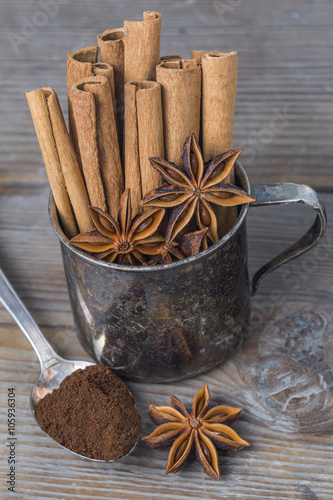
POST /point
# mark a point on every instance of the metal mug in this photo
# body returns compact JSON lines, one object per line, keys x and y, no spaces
{"x":173,"y":321}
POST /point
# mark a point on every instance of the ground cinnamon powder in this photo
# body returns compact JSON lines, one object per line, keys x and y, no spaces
{"x":92,"y":413}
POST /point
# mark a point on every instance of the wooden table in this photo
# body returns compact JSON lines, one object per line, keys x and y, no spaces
{"x":283,"y":374}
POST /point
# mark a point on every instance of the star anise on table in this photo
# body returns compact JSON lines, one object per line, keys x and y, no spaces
{"x":125,"y":241}
{"x":203,"y":429}
{"x":193,"y":189}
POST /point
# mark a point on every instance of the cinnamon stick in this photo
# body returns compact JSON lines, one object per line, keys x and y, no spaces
{"x":37,"y":100}
{"x":181,"y":100}
{"x":143,"y":138}
{"x":219,"y":81}
{"x":112,"y":48}
{"x":79,"y":66}
{"x":107,"y":140}
{"x":69,"y":165}
{"x":84,"y":115}
{"x":150,"y":129}
{"x":142,"y":47}
{"x":105,"y":69}
{"x":98,"y":142}
{"x":131,"y":149}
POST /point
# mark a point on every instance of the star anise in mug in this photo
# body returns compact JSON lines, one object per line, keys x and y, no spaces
{"x":194,"y":189}
{"x":203,"y":429}
{"x":189,"y":245}
{"x":125,"y":241}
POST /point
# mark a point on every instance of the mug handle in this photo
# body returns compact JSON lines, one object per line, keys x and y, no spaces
{"x":280,"y":194}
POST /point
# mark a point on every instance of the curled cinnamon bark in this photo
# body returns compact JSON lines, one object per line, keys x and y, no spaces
{"x":105,"y":69}
{"x":98,"y":143}
{"x":142,"y":47}
{"x":60,"y":161}
{"x":112,"y":48}
{"x":219,"y":81}
{"x":134,"y":52}
{"x":181,"y":100}
{"x":143,"y":137}
{"x":79,"y":66}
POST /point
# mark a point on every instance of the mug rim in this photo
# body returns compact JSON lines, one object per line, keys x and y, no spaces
{"x":159,"y":267}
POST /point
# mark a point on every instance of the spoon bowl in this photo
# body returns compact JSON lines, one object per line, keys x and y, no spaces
{"x":54,"y":369}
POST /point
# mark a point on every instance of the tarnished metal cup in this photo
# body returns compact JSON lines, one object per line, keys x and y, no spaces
{"x":173,"y":321}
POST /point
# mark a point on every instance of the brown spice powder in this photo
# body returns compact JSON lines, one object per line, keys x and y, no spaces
{"x":92,"y":413}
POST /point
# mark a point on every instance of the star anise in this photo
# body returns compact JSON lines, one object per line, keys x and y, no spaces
{"x":191,"y":242}
{"x":202,"y":428}
{"x":189,"y":245}
{"x":125,"y":241}
{"x":195,"y":188}
{"x":169,"y":252}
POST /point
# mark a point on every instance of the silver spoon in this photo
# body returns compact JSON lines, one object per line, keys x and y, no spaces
{"x":53,"y":367}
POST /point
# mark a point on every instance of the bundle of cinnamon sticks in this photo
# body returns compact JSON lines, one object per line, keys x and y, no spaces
{"x":130,"y":106}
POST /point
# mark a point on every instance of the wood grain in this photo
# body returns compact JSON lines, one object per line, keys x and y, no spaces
{"x":282,"y":375}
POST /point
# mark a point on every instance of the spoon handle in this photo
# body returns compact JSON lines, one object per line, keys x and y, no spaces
{"x":11,"y":301}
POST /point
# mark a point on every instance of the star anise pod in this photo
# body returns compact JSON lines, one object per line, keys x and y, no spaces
{"x":189,"y":245}
{"x":191,"y":242}
{"x":204,"y":429}
{"x":125,"y":241}
{"x":195,"y":188}
{"x":170,"y":252}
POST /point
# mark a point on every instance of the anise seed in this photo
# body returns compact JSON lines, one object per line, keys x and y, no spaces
{"x":107,"y":224}
{"x":180,"y":450}
{"x":221,"y":195}
{"x":174,"y":175}
{"x":204,"y":215}
{"x":168,"y":197}
{"x":206,"y":452}
{"x":217,"y":171}
{"x":144,"y":224}
{"x":194,"y":163}
{"x":201,"y":401}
